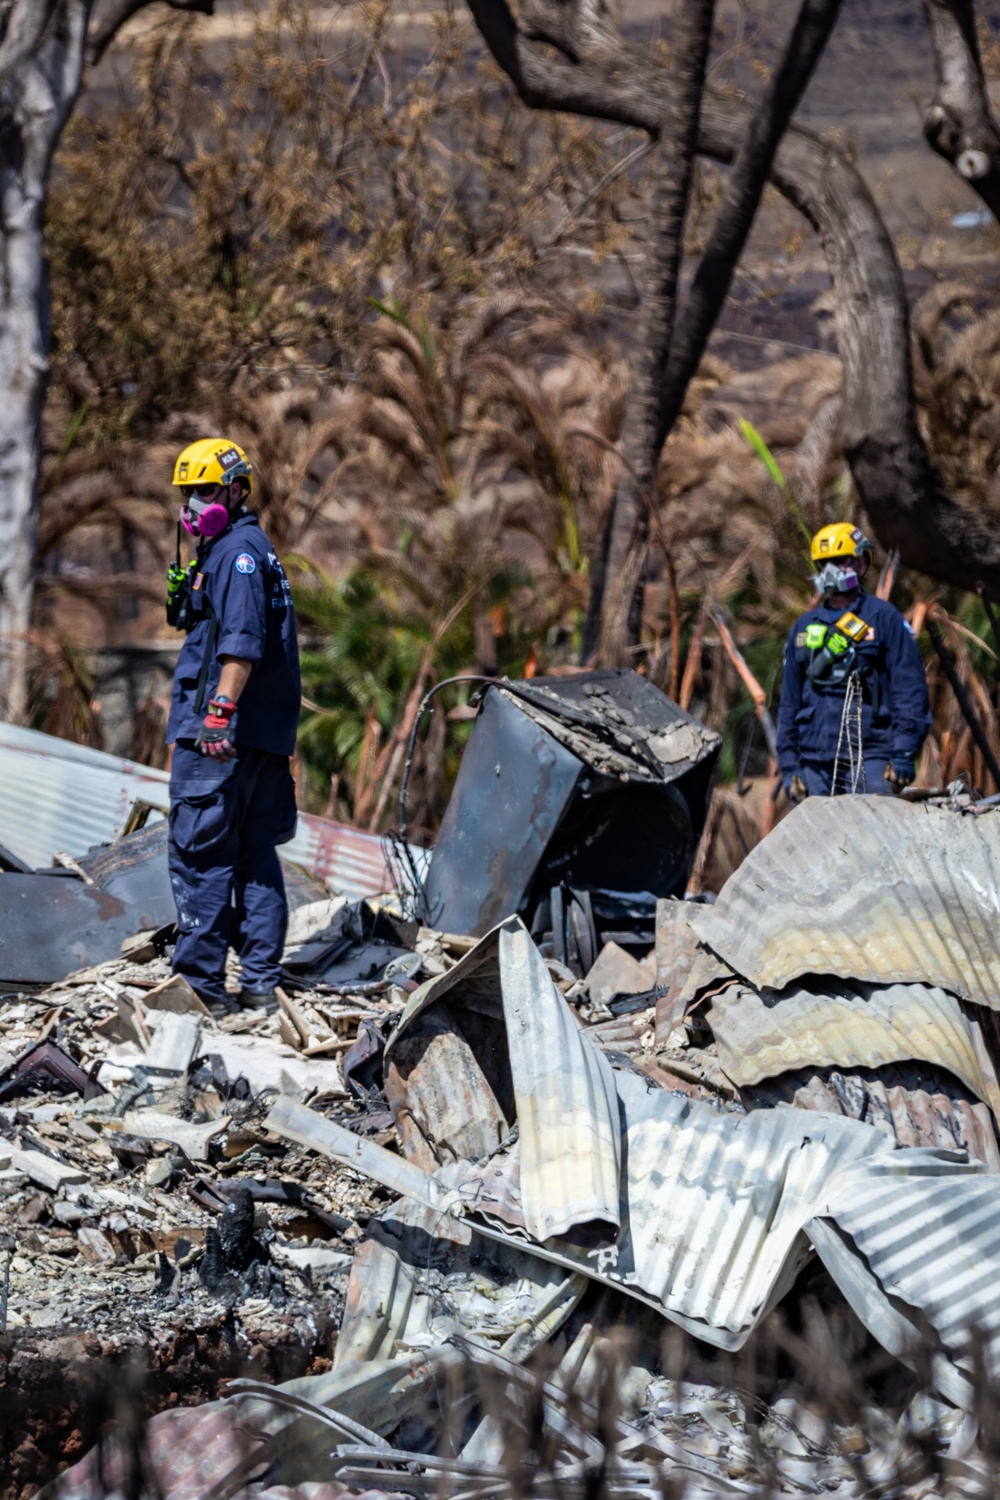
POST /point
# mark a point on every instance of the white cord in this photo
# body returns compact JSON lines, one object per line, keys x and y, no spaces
{"x":850,"y":728}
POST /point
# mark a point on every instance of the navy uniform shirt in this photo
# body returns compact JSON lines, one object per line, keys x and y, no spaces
{"x":895,"y":714}
{"x":240,"y":579}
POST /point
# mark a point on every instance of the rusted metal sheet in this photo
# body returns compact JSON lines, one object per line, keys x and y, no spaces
{"x":676,"y":946}
{"x":345,"y":859}
{"x":869,"y":888}
{"x":61,"y":796}
{"x":441,"y":1101}
{"x":914,"y":1105}
{"x":684,"y":967}
{"x":829,"y":1023}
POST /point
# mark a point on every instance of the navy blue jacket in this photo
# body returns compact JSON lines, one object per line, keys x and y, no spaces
{"x":242,"y":582}
{"x":895,"y":713}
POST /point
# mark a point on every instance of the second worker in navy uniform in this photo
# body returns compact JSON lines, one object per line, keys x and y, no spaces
{"x":234,"y":715}
{"x":854,"y":708}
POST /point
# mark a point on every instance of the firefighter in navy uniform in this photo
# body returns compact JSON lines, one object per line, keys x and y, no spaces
{"x":854,"y":708}
{"x":233,"y":718}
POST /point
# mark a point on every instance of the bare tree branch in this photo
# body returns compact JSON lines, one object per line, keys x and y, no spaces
{"x":905,"y":499}
{"x":959,"y":123}
{"x":740,"y":201}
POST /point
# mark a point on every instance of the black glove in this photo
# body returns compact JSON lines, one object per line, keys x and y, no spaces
{"x":795,"y":788}
{"x":900,"y":771}
{"x":214,"y":735}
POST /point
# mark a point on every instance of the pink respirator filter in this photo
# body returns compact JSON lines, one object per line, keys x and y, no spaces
{"x":212,"y":521}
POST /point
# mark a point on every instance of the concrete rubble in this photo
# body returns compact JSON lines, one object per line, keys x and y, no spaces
{"x":721,"y":1216}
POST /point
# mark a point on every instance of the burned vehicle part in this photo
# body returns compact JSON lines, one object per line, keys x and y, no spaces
{"x":579,"y":801}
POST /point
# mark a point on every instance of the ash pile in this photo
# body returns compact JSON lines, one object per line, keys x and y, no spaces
{"x":720,"y":1215}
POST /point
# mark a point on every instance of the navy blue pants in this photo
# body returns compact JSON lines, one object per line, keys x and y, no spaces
{"x":225,"y":822}
{"x":818,"y":777}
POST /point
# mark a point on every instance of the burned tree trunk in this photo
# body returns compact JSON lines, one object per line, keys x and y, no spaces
{"x":959,"y":123}
{"x":43,"y":48}
{"x":628,"y":523}
{"x":617,"y":593}
{"x":41,"y":60}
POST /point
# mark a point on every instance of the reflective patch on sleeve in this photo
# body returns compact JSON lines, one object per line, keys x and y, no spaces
{"x":245,"y":563}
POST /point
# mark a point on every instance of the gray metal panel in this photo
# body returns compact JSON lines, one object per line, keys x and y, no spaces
{"x":866,"y":888}
{"x":51,"y":925}
{"x":513,"y":786}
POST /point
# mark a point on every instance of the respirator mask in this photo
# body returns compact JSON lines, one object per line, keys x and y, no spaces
{"x":204,"y":513}
{"x":837,"y":577}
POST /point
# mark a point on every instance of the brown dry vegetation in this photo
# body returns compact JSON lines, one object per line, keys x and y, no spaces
{"x":347,"y":245}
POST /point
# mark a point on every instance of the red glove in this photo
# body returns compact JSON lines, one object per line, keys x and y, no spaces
{"x":213,"y":736}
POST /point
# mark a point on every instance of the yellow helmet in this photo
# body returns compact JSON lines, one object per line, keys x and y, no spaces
{"x":839,"y":540}
{"x":213,"y":461}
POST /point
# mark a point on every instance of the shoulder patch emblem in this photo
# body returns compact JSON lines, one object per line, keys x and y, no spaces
{"x":245,"y":563}
{"x":870,"y":633}
{"x":800,"y":640}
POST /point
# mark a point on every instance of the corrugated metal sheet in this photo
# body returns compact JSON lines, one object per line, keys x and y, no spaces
{"x":929,"y":1229}
{"x":713,"y":1205}
{"x":348,"y":861}
{"x":716,"y":1207}
{"x":913,"y":1104}
{"x":844,"y":1025}
{"x":563,"y":1087}
{"x":58,"y":795}
{"x":719,"y":1211}
{"x":868,"y":888}
{"x":717,"y":1203}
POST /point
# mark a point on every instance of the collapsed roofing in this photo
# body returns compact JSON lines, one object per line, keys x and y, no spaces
{"x":471,"y":1154}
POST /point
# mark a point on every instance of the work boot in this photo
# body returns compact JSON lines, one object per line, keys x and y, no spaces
{"x":258,"y":1000}
{"x":221,"y":1008}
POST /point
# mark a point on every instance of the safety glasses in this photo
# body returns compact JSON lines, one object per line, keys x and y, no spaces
{"x":199,"y":491}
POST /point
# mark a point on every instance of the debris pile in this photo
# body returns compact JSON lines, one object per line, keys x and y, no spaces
{"x":564,"y":1131}
{"x":519,"y":1186}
